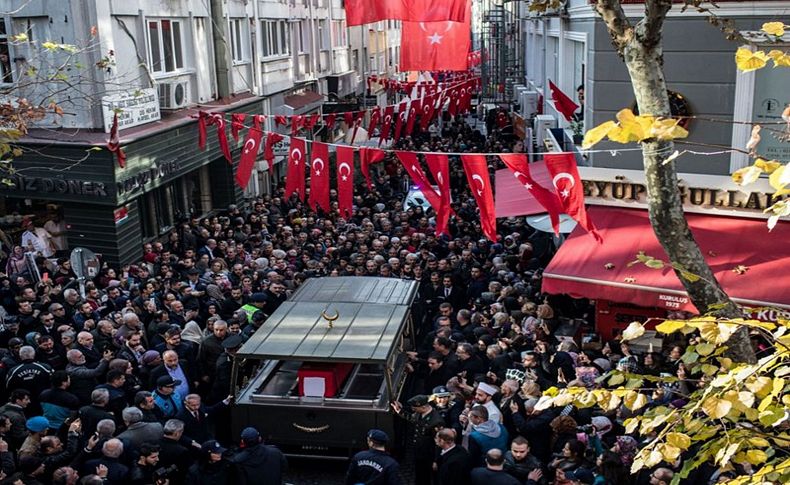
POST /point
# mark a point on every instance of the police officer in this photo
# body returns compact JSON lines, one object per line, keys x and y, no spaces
{"x":222,"y":384}
{"x":31,"y":375}
{"x":426,"y":421}
{"x":257,"y":302}
{"x":448,"y":408}
{"x":374,"y":466}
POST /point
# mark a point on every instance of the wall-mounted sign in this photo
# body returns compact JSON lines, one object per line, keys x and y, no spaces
{"x":46,"y":185}
{"x":141,"y":179}
{"x":137,"y":107}
{"x":120,"y":215}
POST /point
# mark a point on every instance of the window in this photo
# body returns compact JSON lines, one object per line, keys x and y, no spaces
{"x":167,"y":53}
{"x":276,"y":38}
{"x":239,"y":43}
{"x":323,"y":35}
{"x":760,"y":96}
{"x":302,"y":36}
{"x":355,"y":60}
{"x":339,"y":33}
{"x":5,"y":56}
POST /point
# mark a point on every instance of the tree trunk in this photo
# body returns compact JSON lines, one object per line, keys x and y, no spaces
{"x":641,"y":50}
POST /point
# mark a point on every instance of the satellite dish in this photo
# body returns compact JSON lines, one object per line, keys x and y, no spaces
{"x":85,"y":263}
{"x":542,"y":222}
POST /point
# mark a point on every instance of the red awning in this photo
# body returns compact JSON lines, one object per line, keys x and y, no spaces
{"x":512,"y":199}
{"x":579,"y":267}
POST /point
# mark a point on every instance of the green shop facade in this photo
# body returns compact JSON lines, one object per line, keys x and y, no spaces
{"x":113,"y":210}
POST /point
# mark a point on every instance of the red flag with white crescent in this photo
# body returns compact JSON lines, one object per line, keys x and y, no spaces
{"x":412,"y":165}
{"x":114,"y":144}
{"x":436,"y":45}
{"x":476,"y":169}
{"x":319,"y":177}
{"x":360,"y":12}
{"x":518,"y":164}
{"x":386,"y":123}
{"x":357,"y":123}
{"x":236,"y":124}
{"x":414,"y":109}
{"x":375,"y":115}
{"x":252,"y":144}
{"x":400,"y":119}
{"x":222,"y":136}
{"x":330,"y":121}
{"x":367,"y":157}
{"x":568,"y":185}
{"x":345,"y":180}
{"x":295,"y":177}
{"x":426,"y":116}
{"x":268,"y":149}
{"x":439,"y":166}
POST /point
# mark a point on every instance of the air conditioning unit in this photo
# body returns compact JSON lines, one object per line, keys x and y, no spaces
{"x":529,"y":103}
{"x":541,"y":124}
{"x":173,"y":94}
{"x":517,"y":90}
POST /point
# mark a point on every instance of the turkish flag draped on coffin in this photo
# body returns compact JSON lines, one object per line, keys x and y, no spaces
{"x":436,"y":46}
{"x":252,"y":144}
{"x":517,"y":163}
{"x":568,"y":184}
{"x":345,"y":180}
{"x":360,"y":12}
{"x":295,"y":177}
{"x":319,"y":177}
{"x":476,"y":169}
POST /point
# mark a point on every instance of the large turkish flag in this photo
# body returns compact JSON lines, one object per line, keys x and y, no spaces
{"x":360,"y":12}
{"x":436,"y":46}
{"x":295,"y":177}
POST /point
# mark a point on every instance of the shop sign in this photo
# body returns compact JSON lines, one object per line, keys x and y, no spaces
{"x":47,"y":185}
{"x":143,"y":178}
{"x":120,"y":215}
{"x":674,"y":302}
{"x":134,"y":108}
{"x":708,"y":194}
{"x":767,"y":314}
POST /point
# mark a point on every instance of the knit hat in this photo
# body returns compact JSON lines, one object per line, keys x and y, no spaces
{"x":150,"y":356}
{"x":37,"y":424}
{"x":602,"y":425}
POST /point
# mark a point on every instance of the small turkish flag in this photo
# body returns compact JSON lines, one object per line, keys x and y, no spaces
{"x":562,"y":102}
{"x":426,"y":116}
{"x":412,"y":165}
{"x":248,"y":153}
{"x":517,"y":163}
{"x":360,"y":12}
{"x":476,"y":170}
{"x":437,"y":46}
{"x":114,"y":144}
{"x":345,"y":180}
{"x":568,"y":184}
{"x":375,"y":115}
{"x":439,"y":166}
{"x":268,"y":149}
{"x":400,"y":118}
{"x":295,"y":177}
{"x":367,"y":157}
{"x":319,"y":177}
{"x":236,"y":124}
{"x":414,"y":109}
{"x":386,"y":123}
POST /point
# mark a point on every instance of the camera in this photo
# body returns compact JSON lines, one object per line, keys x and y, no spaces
{"x":586,"y":429}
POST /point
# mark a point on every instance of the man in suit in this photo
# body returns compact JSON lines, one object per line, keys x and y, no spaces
{"x":178,"y":369}
{"x":199,"y":419}
{"x":452,"y":294}
{"x":453,"y":464}
{"x":138,"y":431}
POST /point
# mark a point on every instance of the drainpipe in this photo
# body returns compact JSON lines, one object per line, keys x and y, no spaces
{"x":221,"y":49}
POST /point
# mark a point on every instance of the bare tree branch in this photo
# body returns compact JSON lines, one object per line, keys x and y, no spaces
{"x":648,"y":31}
{"x":611,"y":11}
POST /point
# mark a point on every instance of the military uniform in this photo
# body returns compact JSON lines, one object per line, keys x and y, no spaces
{"x":425,"y":427}
{"x":373,"y":467}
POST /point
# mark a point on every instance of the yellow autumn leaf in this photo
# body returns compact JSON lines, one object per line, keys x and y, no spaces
{"x":679,"y":440}
{"x":638,"y":127}
{"x":774,"y":28}
{"x":756,"y":457}
{"x":653,"y":458}
{"x":633,"y":331}
{"x":746,"y":60}
{"x":49,"y":45}
{"x":781,"y":59}
{"x":716,"y":408}
{"x":779,"y":178}
{"x":635,"y":400}
{"x":758,"y":442}
{"x":767,"y":166}
{"x":777,"y":210}
{"x":669,"y":452}
{"x":597,"y":134}
{"x":746,"y":175}
{"x":618,"y":135}
{"x":22,"y":37}
{"x":667,"y":129}
{"x":670,"y":326}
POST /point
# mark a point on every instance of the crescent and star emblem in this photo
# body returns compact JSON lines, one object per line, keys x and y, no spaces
{"x":482,"y":183}
{"x":316,"y":162}
{"x":294,"y":157}
{"x":565,"y":193}
{"x":345,"y":175}
{"x":249,"y":145}
{"x":440,"y":179}
{"x":519,"y":175}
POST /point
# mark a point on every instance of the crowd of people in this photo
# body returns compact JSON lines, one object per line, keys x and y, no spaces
{"x":128,"y":382}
